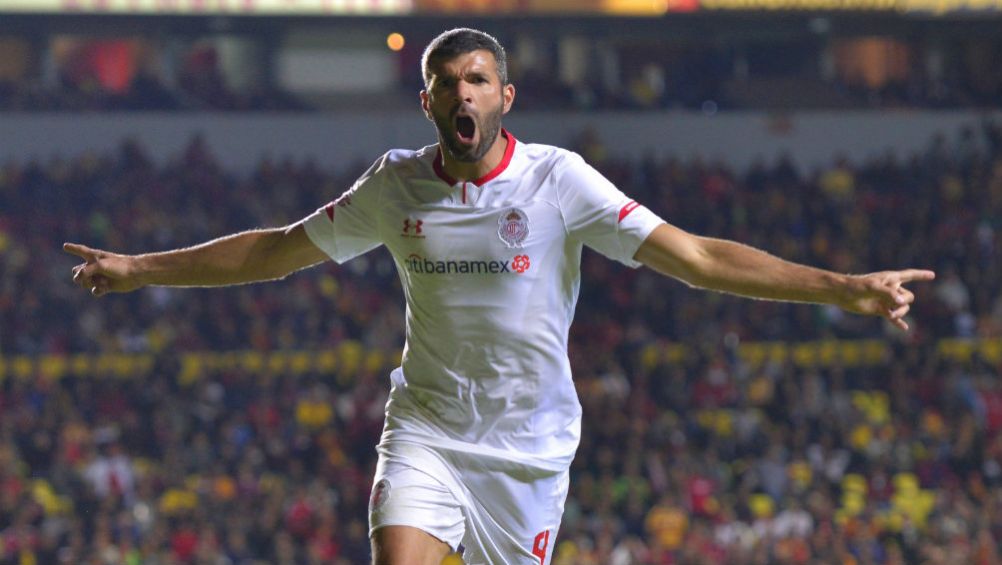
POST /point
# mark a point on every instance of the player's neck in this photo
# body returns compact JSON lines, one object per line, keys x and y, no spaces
{"x":471,"y":171}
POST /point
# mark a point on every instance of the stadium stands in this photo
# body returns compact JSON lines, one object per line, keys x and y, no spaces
{"x":237,"y":425}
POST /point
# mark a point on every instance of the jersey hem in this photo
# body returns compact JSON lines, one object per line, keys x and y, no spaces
{"x":552,"y":464}
{"x":453,"y":547}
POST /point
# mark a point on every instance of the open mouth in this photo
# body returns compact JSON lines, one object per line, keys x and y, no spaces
{"x":466,"y":128}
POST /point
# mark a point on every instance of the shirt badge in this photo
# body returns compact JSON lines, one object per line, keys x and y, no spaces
{"x":513,"y":227}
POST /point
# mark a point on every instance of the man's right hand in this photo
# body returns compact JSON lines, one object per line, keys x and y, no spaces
{"x":103,"y":272}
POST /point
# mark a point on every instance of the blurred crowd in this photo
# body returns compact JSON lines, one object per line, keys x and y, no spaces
{"x":652,"y":86}
{"x":709,"y":460}
{"x":97,"y":74}
{"x":108,"y":74}
{"x":205,"y":91}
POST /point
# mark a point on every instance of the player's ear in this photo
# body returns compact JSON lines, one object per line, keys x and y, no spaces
{"x":425,"y":105}
{"x":508,"y":96}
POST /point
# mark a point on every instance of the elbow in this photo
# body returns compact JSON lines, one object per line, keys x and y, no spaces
{"x":695,"y":278}
{"x":695,"y":267}
{"x":689,"y":270}
{"x":678,"y":254}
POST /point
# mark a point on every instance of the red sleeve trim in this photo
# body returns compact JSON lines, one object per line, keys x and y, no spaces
{"x":342,"y":201}
{"x":625,"y":210}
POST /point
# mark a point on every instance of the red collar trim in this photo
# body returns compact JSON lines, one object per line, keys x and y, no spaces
{"x":505,"y":161}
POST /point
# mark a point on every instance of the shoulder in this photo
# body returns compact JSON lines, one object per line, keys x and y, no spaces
{"x":404,"y":161}
{"x":550,"y":156}
{"x":547,"y":163}
{"x":396,"y":166}
{"x":564,"y":168}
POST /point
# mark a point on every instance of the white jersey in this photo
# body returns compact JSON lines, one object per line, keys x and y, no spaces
{"x":490,"y":270}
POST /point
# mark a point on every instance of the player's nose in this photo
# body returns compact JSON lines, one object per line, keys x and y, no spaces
{"x":464,"y":91}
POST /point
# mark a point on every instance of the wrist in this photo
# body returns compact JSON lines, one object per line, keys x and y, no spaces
{"x":140,"y":270}
{"x":848,"y":288}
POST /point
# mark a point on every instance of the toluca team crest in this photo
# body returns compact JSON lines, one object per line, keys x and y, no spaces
{"x":513,"y":227}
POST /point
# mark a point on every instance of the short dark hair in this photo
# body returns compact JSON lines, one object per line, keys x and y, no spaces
{"x":460,"y":41}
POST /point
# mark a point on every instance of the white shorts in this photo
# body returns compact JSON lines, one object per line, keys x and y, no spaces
{"x":501,"y":512}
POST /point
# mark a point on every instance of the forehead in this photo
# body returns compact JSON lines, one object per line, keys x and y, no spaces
{"x":479,"y":61}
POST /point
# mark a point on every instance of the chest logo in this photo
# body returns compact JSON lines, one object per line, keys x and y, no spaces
{"x":513,"y":227}
{"x":413,"y":228}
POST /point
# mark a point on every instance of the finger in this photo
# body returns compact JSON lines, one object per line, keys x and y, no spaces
{"x":899,"y":294}
{"x":889,"y":292}
{"x":101,"y":286}
{"x":895,"y":294}
{"x":909,"y":275}
{"x":83,"y":276}
{"x":906,"y":296}
{"x":81,"y":251}
{"x":899,"y":313}
{"x":898,"y":321}
{"x":82,"y":279}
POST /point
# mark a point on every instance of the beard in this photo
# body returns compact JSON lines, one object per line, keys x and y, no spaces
{"x":488,"y":128}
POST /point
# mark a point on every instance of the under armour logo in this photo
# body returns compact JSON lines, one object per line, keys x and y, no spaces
{"x":412,"y":228}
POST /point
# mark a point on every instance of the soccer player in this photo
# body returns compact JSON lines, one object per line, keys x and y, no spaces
{"x":486,"y":231}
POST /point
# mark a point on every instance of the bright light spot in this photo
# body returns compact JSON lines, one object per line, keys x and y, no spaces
{"x":395,"y":41}
{"x":141,"y":512}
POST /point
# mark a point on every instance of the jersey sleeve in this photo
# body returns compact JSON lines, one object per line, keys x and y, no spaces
{"x":600,"y":215}
{"x":348,"y":226}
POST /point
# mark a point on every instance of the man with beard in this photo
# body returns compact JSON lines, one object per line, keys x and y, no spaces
{"x":482,"y":419}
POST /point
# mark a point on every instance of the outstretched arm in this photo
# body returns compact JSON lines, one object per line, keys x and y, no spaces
{"x":250,"y":256}
{"x":739,"y":269}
